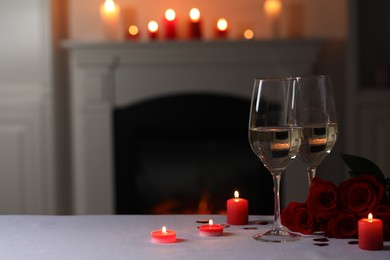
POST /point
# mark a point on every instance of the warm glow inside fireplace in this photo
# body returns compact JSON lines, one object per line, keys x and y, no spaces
{"x":187,"y":154}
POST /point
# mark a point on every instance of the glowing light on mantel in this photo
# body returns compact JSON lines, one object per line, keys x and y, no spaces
{"x":153,"y":26}
{"x":133,"y":30}
{"x":195,"y":14}
{"x":272,"y":8}
{"x":249,"y":34}
{"x":222,"y":24}
{"x":109,"y":6}
{"x":170,"y":14}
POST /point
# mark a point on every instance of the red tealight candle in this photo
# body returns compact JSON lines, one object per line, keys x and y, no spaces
{"x":370,"y":232}
{"x":164,"y":236}
{"x":222,"y":28}
{"x":195,"y":31}
{"x":170,"y":24}
{"x":211,"y":230}
{"x":153,"y":29}
{"x":237,"y":210}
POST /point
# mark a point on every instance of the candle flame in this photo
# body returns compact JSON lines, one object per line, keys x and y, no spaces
{"x":370,"y":217}
{"x":133,"y":30}
{"x":222,"y":24}
{"x":153,"y":26}
{"x":272,"y":7}
{"x":248,"y":34}
{"x":170,"y":14}
{"x":236,"y":195}
{"x":164,"y":230}
{"x":195,"y":14}
{"x":211,"y":222}
{"x":109,"y":6}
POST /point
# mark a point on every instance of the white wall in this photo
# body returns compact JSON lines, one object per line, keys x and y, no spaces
{"x":321,"y":18}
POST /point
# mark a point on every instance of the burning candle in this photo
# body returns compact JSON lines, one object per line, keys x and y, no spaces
{"x":195,"y":30}
{"x":164,"y":236}
{"x":273,"y":9}
{"x":133,"y":32}
{"x":170,"y":24}
{"x":153,"y":30}
{"x":237,"y":210}
{"x":222,"y":28}
{"x":109,"y":12}
{"x":370,"y":233}
{"x":249,"y":34}
{"x":211,"y":229}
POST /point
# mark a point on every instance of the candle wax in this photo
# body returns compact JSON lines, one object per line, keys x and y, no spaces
{"x":195,"y":30}
{"x":237,"y":211}
{"x":370,"y":234}
{"x":213,"y":230}
{"x":158,"y":236}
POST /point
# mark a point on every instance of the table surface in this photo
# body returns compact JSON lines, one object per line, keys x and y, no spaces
{"x":128,"y":237}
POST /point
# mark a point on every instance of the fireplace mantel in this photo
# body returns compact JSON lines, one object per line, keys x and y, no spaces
{"x":104,"y":76}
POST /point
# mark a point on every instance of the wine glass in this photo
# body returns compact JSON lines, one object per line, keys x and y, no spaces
{"x":275,"y":137}
{"x":317,"y":112}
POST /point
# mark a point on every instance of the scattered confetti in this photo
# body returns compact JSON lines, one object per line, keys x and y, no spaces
{"x":322,"y":239}
{"x":321,"y":244}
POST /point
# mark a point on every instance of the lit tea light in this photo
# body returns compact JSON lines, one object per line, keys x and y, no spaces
{"x":133,"y":32}
{"x":222,"y":28}
{"x":237,"y":210}
{"x":170,"y":24}
{"x":195,"y":30}
{"x":163,"y":236}
{"x":211,"y":229}
{"x":249,"y":34}
{"x":109,"y":13}
{"x":370,"y":233}
{"x":273,"y":9}
{"x":153,"y":29}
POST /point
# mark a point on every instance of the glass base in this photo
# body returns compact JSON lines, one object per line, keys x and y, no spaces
{"x":276,"y":236}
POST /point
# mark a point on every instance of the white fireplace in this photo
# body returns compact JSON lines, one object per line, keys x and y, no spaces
{"x":105,"y":76}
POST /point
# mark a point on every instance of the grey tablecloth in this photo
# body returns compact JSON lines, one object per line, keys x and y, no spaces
{"x":128,"y":237}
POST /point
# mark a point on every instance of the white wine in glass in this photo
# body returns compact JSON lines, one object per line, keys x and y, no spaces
{"x":275,"y":138}
{"x":317,"y":112}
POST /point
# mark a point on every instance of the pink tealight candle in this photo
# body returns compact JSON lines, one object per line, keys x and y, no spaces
{"x":237,"y":210}
{"x":370,"y":232}
{"x":163,"y":236}
{"x":211,"y":229}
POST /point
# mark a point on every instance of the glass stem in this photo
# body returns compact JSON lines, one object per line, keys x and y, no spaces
{"x":277,"y":222}
{"x":311,"y":173}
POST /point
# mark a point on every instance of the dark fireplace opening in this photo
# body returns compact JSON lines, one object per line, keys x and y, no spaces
{"x":187,"y":154}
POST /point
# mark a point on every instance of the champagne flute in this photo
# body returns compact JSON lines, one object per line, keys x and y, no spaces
{"x":317,"y":113}
{"x":275,"y":137}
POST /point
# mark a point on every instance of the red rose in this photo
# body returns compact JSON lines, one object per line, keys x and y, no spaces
{"x":342,"y":225}
{"x":361,"y":194}
{"x":383,"y":213}
{"x":323,"y":198}
{"x":296,"y":217}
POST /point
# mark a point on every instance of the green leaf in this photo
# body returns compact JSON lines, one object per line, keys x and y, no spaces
{"x":359,"y":165}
